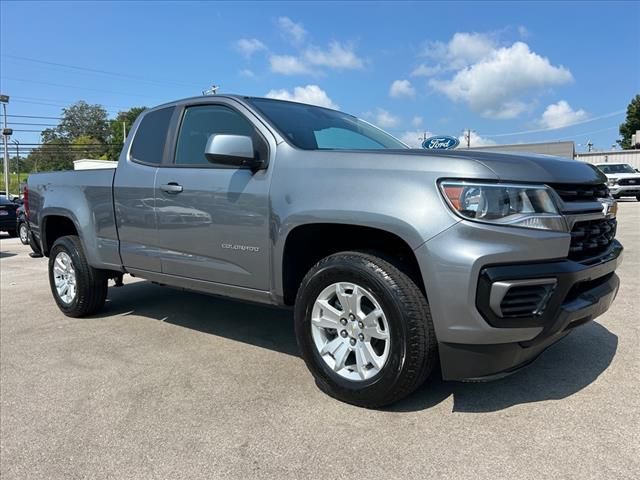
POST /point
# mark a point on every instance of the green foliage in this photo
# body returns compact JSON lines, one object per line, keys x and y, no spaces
{"x":631,"y":124}
{"x":84,"y":120}
{"x":84,"y":132}
{"x":117,"y":126}
{"x":13,"y":182}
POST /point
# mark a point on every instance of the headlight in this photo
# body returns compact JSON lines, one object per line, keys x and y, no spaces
{"x":528,"y":206}
{"x":612,"y":181}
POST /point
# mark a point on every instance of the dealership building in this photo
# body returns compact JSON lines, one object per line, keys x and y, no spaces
{"x":568,"y":150}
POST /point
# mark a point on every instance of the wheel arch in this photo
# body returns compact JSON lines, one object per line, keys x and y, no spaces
{"x":306,"y":244}
{"x":57,"y":224}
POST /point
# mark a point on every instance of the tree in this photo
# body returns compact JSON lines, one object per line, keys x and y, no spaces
{"x":82,"y":119}
{"x":83,"y":132}
{"x":123,"y":120}
{"x":631,"y":124}
{"x":55,"y":154}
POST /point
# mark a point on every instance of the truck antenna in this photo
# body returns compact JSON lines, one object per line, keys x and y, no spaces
{"x":212,"y":90}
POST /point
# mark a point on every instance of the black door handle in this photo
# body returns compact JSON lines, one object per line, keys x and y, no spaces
{"x":171,"y":187}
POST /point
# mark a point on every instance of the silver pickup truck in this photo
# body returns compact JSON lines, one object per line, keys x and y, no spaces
{"x":398,"y":262}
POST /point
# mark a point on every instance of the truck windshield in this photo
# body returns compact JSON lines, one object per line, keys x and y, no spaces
{"x":619,"y":168}
{"x":316,"y":128}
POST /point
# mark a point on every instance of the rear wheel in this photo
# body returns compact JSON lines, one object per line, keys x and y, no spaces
{"x":364,"y":329}
{"x":78,"y":288}
{"x":23,"y":233}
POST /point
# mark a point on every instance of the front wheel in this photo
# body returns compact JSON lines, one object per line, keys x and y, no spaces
{"x":78,"y":288}
{"x":23,"y":233}
{"x":364,"y":329}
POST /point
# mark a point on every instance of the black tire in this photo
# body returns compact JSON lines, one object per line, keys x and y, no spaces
{"x":23,"y":231}
{"x":413,"y":348}
{"x":91,"y":284}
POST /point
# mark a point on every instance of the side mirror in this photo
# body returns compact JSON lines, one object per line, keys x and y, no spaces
{"x":231,"y":150}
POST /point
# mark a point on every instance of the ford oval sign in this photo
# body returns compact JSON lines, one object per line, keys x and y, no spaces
{"x":440,"y":143}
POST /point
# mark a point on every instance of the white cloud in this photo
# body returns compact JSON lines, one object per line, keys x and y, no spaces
{"x":288,"y":65}
{"x":560,"y":114}
{"x":402,"y":88}
{"x":476,"y":141}
{"x":423,"y":70}
{"x":494,"y":84}
{"x":416,"y":121}
{"x":310,"y":94}
{"x":337,"y":56}
{"x":382,"y":118}
{"x":414,"y":138}
{"x":249,"y":46}
{"x":462,"y":50}
{"x":291,"y":30}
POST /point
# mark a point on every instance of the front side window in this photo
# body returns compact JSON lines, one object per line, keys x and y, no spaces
{"x":199,"y":123}
{"x":316,"y":128}
{"x":151,"y":135}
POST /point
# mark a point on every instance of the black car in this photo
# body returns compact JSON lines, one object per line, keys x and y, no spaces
{"x":22,"y":226}
{"x":24,"y":231}
{"x":8,"y":216}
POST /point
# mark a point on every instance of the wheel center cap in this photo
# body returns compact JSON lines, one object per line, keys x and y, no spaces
{"x":353,"y":329}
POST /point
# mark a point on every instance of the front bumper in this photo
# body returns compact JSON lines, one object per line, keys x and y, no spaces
{"x":452,"y":266}
{"x":625,"y":190}
{"x":582,"y":292}
{"x":7,"y":223}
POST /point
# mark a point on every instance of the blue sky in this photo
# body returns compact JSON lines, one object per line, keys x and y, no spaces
{"x":555,"y":70}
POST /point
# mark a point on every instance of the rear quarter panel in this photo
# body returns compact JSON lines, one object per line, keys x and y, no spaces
{"x":86,"y":198}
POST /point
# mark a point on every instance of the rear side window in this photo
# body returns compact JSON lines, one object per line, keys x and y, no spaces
{"x":151,"y":135}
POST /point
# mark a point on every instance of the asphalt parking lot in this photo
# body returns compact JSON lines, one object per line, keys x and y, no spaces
{"x":168,"y":384}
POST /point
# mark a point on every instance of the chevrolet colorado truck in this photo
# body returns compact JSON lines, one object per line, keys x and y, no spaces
{"x":396,"y":261}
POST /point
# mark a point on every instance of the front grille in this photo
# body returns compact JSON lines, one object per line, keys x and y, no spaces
{"x":525,"y":300}
{"x":592,"y":237}
{"x":629,"y":181}
{"x":580,"y":193}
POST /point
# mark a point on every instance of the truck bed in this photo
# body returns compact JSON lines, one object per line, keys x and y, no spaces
{"x":86,"y":197}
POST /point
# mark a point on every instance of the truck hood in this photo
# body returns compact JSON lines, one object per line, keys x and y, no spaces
{"x":526,"y":167}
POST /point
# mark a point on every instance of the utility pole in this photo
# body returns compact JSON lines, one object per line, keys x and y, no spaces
{"x":17,"y":144}
{"x":467,"y":137}
{"x":589,"y":145}
{"x":124,"y":131}
{"x":6,"y":132}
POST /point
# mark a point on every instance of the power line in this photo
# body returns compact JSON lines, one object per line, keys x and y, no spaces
{"x":26,"y":130}
{"x":523,"y":132}
{"x":75,"y":87}
{"x":102,"y":72}
{"x":34,"y":116}
{"x":68,"y":101}
{"x":11,"y":122}
{"x":69,"y":145}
